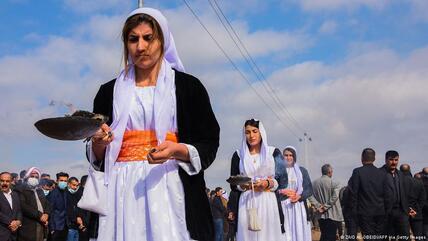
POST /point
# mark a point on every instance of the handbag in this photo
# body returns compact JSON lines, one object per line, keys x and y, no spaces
{"x":254,"y":223}
{"x":94,"y":197}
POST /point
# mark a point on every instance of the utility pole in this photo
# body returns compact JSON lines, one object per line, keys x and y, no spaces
{"x":140,"y":3}
{"x":306,"y":139}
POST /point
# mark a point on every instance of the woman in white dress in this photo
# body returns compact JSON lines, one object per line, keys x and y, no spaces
{"x":259,"y":161}
{"x":165,"y":135}
{"x":298,"y":189}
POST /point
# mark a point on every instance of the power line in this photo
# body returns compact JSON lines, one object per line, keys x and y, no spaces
{"x":236,"y":67}
{"x":250,"y":61}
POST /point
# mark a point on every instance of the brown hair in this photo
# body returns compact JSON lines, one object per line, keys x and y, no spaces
{"x":133,"y":22}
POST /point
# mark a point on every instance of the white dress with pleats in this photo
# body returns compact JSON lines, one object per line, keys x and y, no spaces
{"x":297,"y":228}
{"x":267,"y":211}
{"x":146,"y":201}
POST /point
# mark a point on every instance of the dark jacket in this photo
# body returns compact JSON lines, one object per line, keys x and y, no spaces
{"x":58,"y":201}
{"x":217,"y":208}
{"x":7,"y":215}
{"x":425,"y":207}
{"x":404,"y":187}
{"x":197,"y":126}
{"x":72,"y":210}
{"x":280,"y":176}
{"x":417,"y":197}
{"x":30,"y":213}
{"x":369,"y":192}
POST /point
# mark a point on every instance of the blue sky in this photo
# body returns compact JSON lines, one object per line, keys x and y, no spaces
{"x":352,"y":73}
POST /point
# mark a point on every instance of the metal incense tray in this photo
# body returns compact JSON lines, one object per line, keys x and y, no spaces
{"x":238,"y":180}
{"x":78,"y":126}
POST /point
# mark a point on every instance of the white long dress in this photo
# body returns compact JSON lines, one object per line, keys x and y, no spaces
{"x":297,"y":228}
{"x":146,"y":201}
{"x":267,"y":211}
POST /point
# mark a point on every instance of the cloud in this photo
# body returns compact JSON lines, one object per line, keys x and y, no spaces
{"x":85,"y":7}
{"x":196,"y":47}
{"x":419,"y":9}
{"x":372,"y":97}
{"x":335,"y":5}
{"x":328,"y":27}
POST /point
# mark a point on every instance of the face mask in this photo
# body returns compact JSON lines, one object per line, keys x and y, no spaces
{"x":46,"y":192}
{"x":33,"y":182}
{"x":62,"y":185}
{"x":72,"y":191}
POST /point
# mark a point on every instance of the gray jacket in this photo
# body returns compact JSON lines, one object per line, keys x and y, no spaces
{"x":326,"y":193}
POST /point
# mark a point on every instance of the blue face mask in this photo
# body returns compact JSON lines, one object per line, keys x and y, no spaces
{"x":62,"y":185}
{"x":72,"y":191}
{"x":46,"y":192}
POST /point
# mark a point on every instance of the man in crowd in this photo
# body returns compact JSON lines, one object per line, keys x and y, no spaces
{"x":46,"y":185}
{"x":417,"y":199}
{"x":397,"y":225}
{"x":218,"y":212}
{"x":74,"y":214}
{"x":34,"y":206}
{"x":45,"y":176}
{"x":15,"y":179}
{"x":350,"y":221}
{"x":369,"y":196}
{"x":325,"y":193}
{"x":424,"y":178}
{"x":10,"y":209}
{"x":58,"y":200}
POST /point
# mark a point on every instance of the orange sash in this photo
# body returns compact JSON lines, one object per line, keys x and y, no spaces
{"x":136,"y":145}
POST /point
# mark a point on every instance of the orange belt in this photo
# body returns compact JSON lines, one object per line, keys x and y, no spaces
{"x":136,"y":145}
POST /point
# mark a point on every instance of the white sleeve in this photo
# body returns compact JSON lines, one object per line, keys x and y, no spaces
{"x":275,"y":185}
{"x":194,"y":166}
{"x":239,"y":188}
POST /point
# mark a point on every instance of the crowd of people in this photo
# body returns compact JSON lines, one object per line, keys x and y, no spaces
{"x":38,"y":208}
{"x":385,"y":203}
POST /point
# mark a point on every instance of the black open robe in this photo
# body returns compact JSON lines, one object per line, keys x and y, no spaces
{"x":197,"y":126}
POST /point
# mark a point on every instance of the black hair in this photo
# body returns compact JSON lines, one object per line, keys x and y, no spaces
{"x":44,"y":175}
{"x":391,"y":154}
{"x":368,"y":155}
{"x":252,"y":122}
{"x":22,"y":174}
{"x":218,"y":189}
{"x":73,"y":179}
{"x":61,"y":174}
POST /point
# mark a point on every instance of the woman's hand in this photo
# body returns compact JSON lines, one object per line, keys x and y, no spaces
{"x":168,"y":150}
{"x":245,"y":187}
{"x":287,"y":192}
{"x":295,"y":198}
{"x":261,"y":185}
{"x":103,"y":137}
{"x":100,"y":140}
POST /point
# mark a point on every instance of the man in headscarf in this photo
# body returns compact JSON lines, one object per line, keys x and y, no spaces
{"x":35,"y":208}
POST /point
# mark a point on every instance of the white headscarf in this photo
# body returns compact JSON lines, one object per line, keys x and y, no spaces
{"x":31,"y":170}
{"x":164,"y":97}
{"x":297,"y":170}
{"x":267,"y":165}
